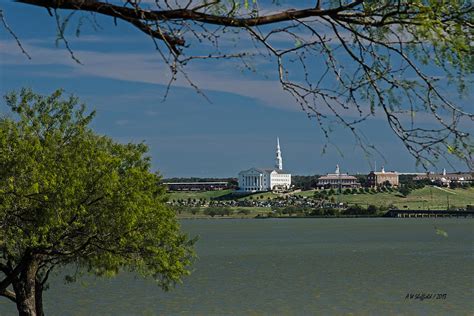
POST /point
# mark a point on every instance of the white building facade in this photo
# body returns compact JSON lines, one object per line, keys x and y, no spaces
{"x":256,"y":179}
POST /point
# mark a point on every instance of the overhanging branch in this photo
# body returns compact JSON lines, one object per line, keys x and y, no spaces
{"x":186,"y":14}
{"x":137,"y":15}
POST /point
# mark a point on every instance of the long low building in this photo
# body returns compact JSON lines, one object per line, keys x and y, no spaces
{"x":337,"y":180}
{"x":197,"y":186}
{"x":446,"y":178}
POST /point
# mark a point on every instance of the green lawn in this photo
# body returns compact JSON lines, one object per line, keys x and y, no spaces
{"x":428,"y":197}
{"x":305,"y":193}
{"x":184,"y":195}
{"x":260,"y":196}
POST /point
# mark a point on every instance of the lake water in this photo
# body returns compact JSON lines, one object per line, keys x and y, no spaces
{"x":363,"y":266}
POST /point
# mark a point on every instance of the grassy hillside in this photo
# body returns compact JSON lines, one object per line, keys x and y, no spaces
{"x":224,"y":194}
{"x":428,"y":197}
{"x":197,"y":194}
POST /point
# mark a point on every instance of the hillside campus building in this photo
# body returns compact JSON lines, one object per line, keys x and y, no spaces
{"x":447,"y":178}
{"x":382,"y":178}
{"x":197,"y":186}
{"x":337,"y":180}
{"x":257,"y":180}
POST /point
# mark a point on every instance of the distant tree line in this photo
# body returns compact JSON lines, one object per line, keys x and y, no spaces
{"x":304,"y":182}
{"x":211,"y":210}
{"x":233,"y":183}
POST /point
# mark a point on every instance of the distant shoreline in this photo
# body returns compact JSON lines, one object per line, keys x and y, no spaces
{"x":465,"y":216}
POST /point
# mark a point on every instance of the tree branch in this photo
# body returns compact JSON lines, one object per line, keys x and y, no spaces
{"x":186,"y":14}
{"x":136,"y":15}
{"x":7,"y":27}
{"x":8,"y":294}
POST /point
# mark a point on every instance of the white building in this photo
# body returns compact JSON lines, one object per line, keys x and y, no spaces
{"x":255,"y":179}
{"x":337,"y":180}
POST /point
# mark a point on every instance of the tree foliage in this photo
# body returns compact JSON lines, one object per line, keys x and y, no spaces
{"x":405,"y":190}
{"x":304,"y":182}
{"x":342,"y":61}
{"x":71,"y":197}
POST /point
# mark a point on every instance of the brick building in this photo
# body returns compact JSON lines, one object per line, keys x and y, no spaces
{"x":382,"y":178}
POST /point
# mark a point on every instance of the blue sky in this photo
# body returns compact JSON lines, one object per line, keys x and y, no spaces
{"x":123,"y":79}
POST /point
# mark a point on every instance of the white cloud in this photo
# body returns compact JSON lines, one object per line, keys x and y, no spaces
{"x":147,"y":68}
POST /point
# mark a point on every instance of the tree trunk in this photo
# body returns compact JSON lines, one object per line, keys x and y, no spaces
{"x":28,"y":302}
{"x":39,"y":298}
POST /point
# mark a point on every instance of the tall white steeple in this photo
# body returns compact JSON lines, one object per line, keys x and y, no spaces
{"x":278,"y":160}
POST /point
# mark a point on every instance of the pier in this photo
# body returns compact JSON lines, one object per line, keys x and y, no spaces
{"x":428,"y":213}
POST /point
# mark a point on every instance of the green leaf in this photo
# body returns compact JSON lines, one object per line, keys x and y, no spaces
{"x":35,"y":187}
